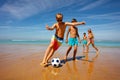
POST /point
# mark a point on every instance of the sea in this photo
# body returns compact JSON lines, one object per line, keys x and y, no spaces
{"x":46,"y":42}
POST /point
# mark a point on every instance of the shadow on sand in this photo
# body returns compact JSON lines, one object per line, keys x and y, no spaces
{"x":63,"y":61}
{"x":83,"y":58}
{"x":71,"y":59}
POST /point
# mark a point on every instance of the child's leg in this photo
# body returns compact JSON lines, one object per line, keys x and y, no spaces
{"x":87,"y":46}
{"x":75,"y":51}
{"x":94,"y":47}
{"x":47,"y":53}
{"x":83,"y":48}
{"x":50,"y":55}
{"x":69,"y":49}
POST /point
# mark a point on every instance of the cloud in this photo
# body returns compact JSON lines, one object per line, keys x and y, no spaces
{"x":113,"y":26}
{"x":5,"y":27}
{"x":93,"y":5}
{"x":107,"y":31}
{"x":22,"y":9}
{"x":109,"y":16}
{"x":106,"y":27}
{"x":32,"y":28}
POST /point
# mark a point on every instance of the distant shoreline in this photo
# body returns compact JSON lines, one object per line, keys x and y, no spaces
{"x":46,"y":42}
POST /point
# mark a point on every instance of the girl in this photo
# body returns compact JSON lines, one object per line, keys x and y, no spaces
{"x":91,"y":41}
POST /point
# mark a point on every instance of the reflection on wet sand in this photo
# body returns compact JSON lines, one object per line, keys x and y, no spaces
{"x":50,"y":73}
{"x":71,"y":70}
{"x":90,"y":64}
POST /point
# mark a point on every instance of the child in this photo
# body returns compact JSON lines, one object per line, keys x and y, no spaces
{"x":91,"y":41}
{"x":84,"y":42}
{"x":57,"y":39}
{"x":73,"y":42}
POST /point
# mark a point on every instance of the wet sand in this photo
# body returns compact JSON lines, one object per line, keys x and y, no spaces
{"x":21,"y":62}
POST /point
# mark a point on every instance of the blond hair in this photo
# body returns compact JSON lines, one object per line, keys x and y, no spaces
{"x":59,"y":15}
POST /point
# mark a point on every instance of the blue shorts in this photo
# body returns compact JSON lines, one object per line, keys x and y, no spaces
{"x":73,"y":41}
{"x":84,"y":42}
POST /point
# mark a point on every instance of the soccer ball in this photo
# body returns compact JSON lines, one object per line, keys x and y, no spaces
{"x":55,"y":62}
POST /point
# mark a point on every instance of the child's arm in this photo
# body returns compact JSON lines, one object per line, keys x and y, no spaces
{"x":79,"y":39}
{"x":50,"y":28}
{"x":78,"y":36}
{"x":67,"y":35}
{"x":74,"y":24}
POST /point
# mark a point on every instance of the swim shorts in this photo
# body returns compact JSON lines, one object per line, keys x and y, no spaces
{"x":84,"y":42}
{"x":73,"y":41}
{"x":56,"y":41}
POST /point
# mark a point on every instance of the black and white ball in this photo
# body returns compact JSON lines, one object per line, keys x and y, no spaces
{"x":55,"y":62}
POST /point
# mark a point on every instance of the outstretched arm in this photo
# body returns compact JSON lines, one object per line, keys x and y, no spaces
{"x":74,"y":24}
{"x":67,"y":35}
{"x":50,"y":28}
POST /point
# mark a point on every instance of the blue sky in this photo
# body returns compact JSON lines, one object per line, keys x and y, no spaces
{"x":26,"y":19}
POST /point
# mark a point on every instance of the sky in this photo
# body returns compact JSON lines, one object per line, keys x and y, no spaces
{"x":26,"y":19}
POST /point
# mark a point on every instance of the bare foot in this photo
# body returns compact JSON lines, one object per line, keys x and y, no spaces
{"x":65,"y":59}
{"x":86,"y":51}
{"x":76,"y":60}
{"x":97,"y":52}
{"x":44,"y":64}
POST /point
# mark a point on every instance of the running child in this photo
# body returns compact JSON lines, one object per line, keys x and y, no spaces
{"x":84,"y":42}
{"x":58,"y":37}
{"x":73,"y":40}
{"x":91,"y":41}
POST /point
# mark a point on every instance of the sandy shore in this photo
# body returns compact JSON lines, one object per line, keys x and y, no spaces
{"x":21,"y":62}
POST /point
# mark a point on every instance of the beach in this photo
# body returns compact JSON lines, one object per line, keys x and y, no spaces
{"x":22,"y":62}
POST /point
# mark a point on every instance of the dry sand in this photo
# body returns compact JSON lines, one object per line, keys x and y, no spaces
{"x":21,"y":62}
